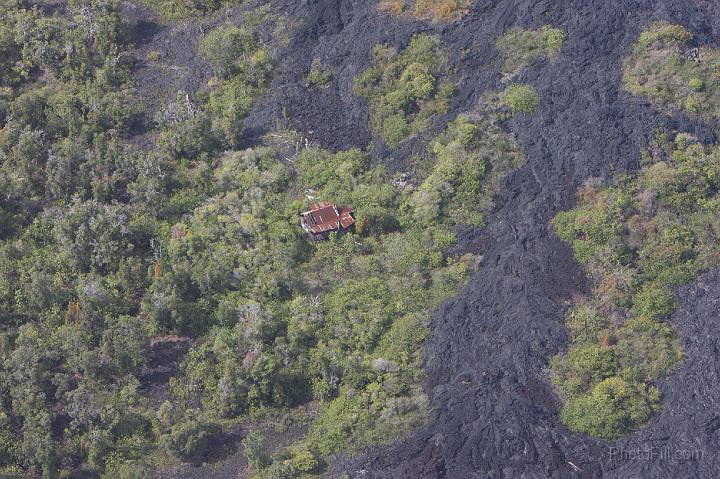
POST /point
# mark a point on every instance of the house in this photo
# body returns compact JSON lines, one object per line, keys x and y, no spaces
{"x":325,"y":217}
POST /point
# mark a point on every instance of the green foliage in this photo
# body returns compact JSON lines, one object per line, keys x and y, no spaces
{"x":585,"y":323}
{"x":522,"y":47}
{"x":663,"y":33}
{"x":191,"y":440}
{"x":583,"y":367}
{"x":638,"y":239}
{"x":128,"y":470}
{"x":404,"y":89}
{"x":696,"y":84}
{"x":614,"y":407}
{"x":112,"y":253}
{"x":367,"y":417}
{"x":471,"y":157}
{"x":661,"y":69}
{"x":521,"y":98}
{"x":231,"y":51}
{"x":654,"y":302}
{"x":319,"y":75}
{"x":305,"y":461}
{"x":243,"y":68}
{"x":182,"y":9}
{"x":647,"y":347}
{"x":347,"y":178}
{"x":254,"y":445}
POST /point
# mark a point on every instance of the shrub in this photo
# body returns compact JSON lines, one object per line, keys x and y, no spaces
{"x":191,"y":440}
{"x":554,"y":38}
{"x":403,"y":88}
{"x":585,"y":323}
{"x":181,"y":9}
{"x":654,"y":302}
{"x":393,"y":7}
{"x":663,"y":33}
{"x":441,"y":10}
{"x":583,"y":367}
{"x":319,"y":75}
{"x":522,"y":98}
{"x":305,"y":461}
{"x":660,"y":69}
{"x":254,"y":445}
{"x":281,"y":470}
{"x":229,"y":50}
{"x":638,"y":239}
{"x":647,"y":347}
{"x":696,"y":84}
{"x":471,"y":157}
{"x":521,"y":47}
{"x":243,"y":68}
{"x":614,"y":407}
{"x":128,"y":470}
{"x":377,"y":222}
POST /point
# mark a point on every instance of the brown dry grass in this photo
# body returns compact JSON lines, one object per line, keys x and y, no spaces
{"x":431,"y":10}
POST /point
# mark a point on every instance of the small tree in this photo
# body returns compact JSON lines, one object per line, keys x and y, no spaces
{"x":254,"y":445}
{"x":522,"y":98}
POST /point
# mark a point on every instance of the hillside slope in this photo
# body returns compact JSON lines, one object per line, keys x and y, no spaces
{"x":494,"y":413}
{"x":163,"y":314}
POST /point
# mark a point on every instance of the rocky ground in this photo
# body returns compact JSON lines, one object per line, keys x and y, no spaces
{"x":495,"y":414}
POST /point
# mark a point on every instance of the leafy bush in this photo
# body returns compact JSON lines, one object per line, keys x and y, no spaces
{"x":614,"y":407}
{"x":583,"y":367}
{"x":654,"y":302}
{"x":522,"y":98}
{"x":521,"y":47}
{"x":647,"y":347}
{"x":254,"y":445}
{"x":305,"y":461}
{"x":319,"y":75}
{"x":403,"y":88}
{"x":585,"y":323}
{"x":663,"y":33}
{"x":191,"y":440}
{"x":471,"y":157}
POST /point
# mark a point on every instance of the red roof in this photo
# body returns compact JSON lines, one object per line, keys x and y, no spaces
{"x":326,"y":216}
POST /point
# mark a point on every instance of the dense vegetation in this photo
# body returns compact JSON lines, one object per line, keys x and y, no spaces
{"x":404,"y":88}
{"x":521,"y":47}
{"x":433,"y":10}
{"x":470,"y":158}
{"x":108,"y":252}
{"x":638,"y":239}
{"x":665,"y":68}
